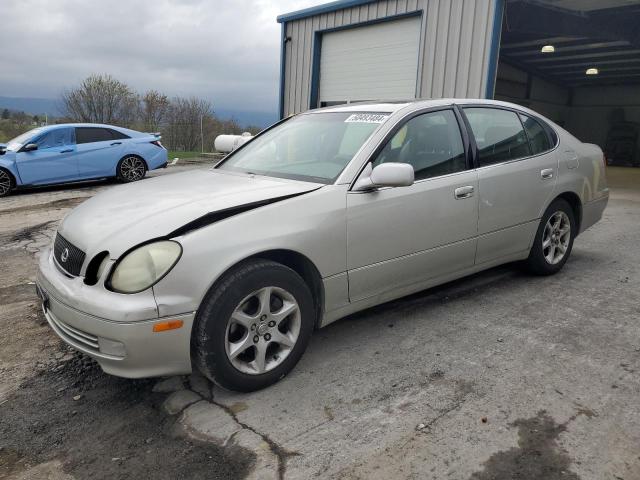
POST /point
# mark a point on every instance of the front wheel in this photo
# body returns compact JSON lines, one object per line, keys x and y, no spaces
{"x":6,"y":183}
{"x":554,"y":239}
{"x":131,"y":169}
{"x":253,"y":326}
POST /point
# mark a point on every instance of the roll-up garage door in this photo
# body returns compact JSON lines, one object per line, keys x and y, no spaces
{"x":374,"y":62}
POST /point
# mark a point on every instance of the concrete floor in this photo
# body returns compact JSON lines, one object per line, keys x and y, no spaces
{"x":496,"y":376}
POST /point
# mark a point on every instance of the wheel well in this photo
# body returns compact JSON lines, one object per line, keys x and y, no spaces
{"x":576,"y":205}
{"x":303,"y":267}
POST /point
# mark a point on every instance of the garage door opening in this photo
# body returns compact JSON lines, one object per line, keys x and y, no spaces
{"x":378,"y":61}
{"x":577,"y":62}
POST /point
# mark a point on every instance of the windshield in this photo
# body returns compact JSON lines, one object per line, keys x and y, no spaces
{"x":15,"y":144}
{"x":313,"y":147}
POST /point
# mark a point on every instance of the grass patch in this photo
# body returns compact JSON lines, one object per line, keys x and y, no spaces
{"x":183,"y":155}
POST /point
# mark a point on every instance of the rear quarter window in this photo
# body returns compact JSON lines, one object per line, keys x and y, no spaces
{"x":538,"y":136}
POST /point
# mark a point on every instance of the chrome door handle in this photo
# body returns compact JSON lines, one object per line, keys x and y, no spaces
{"x":463,"y":192}
{"x":66,"y":151}
{"x":546,"y":173}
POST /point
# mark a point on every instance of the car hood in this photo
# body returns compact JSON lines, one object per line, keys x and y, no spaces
{"x":127,"y":215}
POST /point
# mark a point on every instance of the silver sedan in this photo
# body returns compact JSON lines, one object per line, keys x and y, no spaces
{"x":324,"y":214}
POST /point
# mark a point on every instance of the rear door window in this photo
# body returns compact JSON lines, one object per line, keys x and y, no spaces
{"x":92,"y":134}
{"x":538,"y":138}
{"x":499,"y":135}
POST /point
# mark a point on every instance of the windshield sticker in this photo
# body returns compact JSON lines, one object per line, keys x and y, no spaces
{"x":367,"y":118}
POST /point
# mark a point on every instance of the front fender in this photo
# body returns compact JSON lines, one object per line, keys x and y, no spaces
{"x":313,"y":225}
{"x":8,"y":162}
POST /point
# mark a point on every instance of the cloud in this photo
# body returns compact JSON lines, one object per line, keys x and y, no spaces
{"x":227,"y":51}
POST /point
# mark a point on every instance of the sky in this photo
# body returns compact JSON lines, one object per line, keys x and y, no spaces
{"x":227,"y":51}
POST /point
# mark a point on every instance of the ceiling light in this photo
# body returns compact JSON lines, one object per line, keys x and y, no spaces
{"x":592,"y":71}
{"x":548,"y":49}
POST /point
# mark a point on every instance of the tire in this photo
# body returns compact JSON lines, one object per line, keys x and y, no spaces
{"x":553,"y":242}
{"x":131,"y":169}
{"x":7,"y":182}
{"x":233,"y":326}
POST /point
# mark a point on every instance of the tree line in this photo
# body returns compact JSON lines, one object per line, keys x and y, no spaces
{"x":186,"y":123}
{"x":104,"y":99}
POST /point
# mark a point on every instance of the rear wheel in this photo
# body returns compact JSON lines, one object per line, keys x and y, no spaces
{"x":554,"y":239}
{"x":131,"y":169}
{"x":6,"y":183}
{"x":253,"y":326}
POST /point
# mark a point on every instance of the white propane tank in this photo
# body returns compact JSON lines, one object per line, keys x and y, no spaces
{"x":228,"y":143}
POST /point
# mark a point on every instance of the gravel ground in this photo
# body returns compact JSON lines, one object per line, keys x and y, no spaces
{"x":496,"y":376}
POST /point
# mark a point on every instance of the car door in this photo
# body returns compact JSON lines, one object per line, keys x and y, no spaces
{"x":99,"y":151}
{"x":517,"y":172}
{"x":400,"y":237}
{"x":53,"y":161}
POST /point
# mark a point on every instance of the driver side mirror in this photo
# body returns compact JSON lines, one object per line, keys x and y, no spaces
{"x":30,"y":147}
{"x":385,"y":175}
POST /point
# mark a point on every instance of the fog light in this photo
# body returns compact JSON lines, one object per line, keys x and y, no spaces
{"x":111,"y":347}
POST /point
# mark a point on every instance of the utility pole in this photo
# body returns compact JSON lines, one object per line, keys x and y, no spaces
{"x":201,"y":136}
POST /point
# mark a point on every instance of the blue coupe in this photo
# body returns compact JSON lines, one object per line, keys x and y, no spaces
{"x":73,"y":152}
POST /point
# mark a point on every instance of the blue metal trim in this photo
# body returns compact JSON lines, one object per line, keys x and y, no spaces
{"x":283,"y":52}
{"x":327,"y":7}
{"x":494,"y":53}
{"x":317,"y":46}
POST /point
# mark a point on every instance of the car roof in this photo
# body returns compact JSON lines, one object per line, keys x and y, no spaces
{"x":95,"y":125}
{"x":394,"y":106}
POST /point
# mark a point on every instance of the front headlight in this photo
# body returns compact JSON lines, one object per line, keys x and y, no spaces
{"x":145,"y":266}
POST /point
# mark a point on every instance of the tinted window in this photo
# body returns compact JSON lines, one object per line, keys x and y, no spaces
{"x":92,"y":134}
{"x":498,"y":133}
{"x":538,"y":138}
{"x":55,"y":138}
{"x":430,"y":142}
{"x":116,"y":135}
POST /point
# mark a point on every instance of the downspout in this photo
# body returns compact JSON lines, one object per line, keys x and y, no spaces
{"x":283,"y":46}
{"x":494,"y":53}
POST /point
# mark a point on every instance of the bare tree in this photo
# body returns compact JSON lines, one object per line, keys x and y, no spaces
{"x":183,"y":122}
{"x":101,"y":99}
{"x":153,"y":109}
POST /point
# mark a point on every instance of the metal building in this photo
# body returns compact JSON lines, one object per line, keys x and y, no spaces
{"x":575,"y":61}
{"x":354,"y":50}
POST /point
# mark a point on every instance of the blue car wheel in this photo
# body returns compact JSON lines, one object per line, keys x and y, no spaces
{"x":131,"y":169}
{"x":6,"y":183}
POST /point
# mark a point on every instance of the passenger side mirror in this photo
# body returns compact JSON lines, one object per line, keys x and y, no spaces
{"x":30,"y":147}
{"x":385,"y":175}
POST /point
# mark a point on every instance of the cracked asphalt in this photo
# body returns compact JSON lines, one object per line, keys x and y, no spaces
{"x":496,"y":376}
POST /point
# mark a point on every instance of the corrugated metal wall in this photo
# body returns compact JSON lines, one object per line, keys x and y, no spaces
{"x":456,"y":38}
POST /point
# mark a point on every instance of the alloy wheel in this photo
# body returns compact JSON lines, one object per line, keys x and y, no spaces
{"x":132,"y":169}
{"x":556,"y":237}
{"x":262,"y":330}
{"x":5,"y":183}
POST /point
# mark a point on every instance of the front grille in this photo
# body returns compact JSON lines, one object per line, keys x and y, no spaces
{"x":72,"y":335}
{"x":68,"y":257}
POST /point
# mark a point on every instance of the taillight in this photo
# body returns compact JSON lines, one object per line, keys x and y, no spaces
{"x":157,"y":143}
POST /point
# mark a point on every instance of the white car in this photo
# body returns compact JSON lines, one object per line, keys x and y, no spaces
{"x":324,"y":214}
